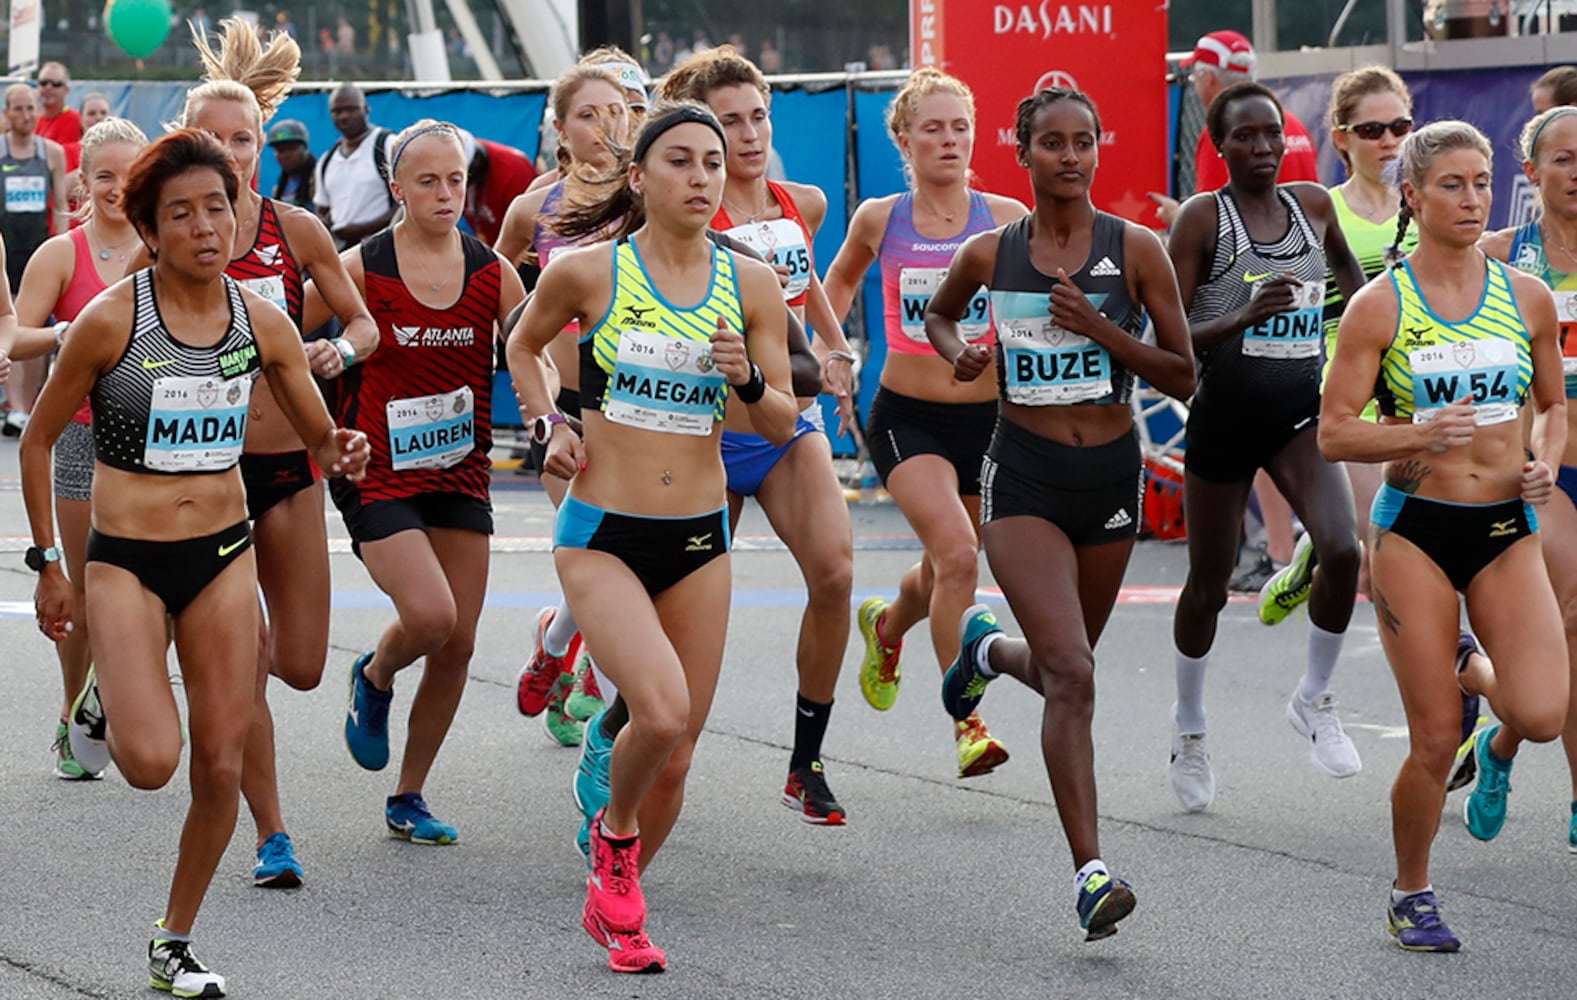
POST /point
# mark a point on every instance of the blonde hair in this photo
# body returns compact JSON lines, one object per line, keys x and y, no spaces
{"x":412,"y":132}
{"x":1419,"y":151}
{"x":110,"y":130}
{"x":244,"y":70}
{"x":922,"y":83}
{"x":1353,"y":86}
{"x":1528,"y":142}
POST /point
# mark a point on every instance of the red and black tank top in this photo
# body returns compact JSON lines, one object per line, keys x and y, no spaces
{"x":425,"y":397}
{"x":269,"y":268}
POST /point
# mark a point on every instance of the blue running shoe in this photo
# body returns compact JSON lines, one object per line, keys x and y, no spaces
{"x":1571,"y":831}
{"x":408,"y":818}
{"x":277,"y":867}
{"x":1103,"y":901}
{"x":367,"y":720}
{"x":1484,"y":812}
{"x":1415,"y":923}
{"x":964,"y":685}
{"x":591,"y":780}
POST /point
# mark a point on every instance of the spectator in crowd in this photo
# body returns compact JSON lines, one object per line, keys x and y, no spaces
{"x":771,"y":60}
{"x":352,"y":189}
{"x":345,"y":38}
{"x":200,"y":22}
{"x":292,"y":144}
{"x":496,"y":175}
{"x":55,"y":120}
{"x":662,"y":54}
{"x":1555,"y":88}
{"x":283,"y":25}
{"x":95,"y":108}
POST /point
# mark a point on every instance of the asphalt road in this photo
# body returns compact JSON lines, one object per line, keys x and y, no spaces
{"x":936,"y":888}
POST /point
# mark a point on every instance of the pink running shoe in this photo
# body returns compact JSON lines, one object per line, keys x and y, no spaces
{"x":613,"y":889}
{"x":627,"y":951}
{"x":537,"y":676}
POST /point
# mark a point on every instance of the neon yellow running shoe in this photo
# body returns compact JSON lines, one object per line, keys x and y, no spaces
{"x":879,"y":674}
{"x":978,"y":751}
{"x":1288,"y":590}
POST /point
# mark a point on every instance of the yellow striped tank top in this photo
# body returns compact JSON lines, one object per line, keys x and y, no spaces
{"x":1432,"y":363}
{"x":648,"y":363}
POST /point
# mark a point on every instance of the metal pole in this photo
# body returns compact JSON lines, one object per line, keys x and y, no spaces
{"x":1396,"y":27}
{"x":1265,"y":33}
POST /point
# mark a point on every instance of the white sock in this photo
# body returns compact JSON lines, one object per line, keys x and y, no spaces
{"x":983,"y":654}
{"x":608,"y":688}
{"x":1090,"y":868}
{"x":555,"y":642}
{"x":1191,"y":692}
{"x":1397,"y":895}
{"x":1324,"y":648}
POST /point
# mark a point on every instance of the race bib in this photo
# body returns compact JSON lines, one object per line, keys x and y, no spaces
{"x":26,"y":194}
{"x":1294,"y":334}
{"x":271,"y":288}
{"x":1566,"y":312}
{"x":780,"y":241}
{"x":1486,"y":369}
{"x":431,"y":432}
{"x":916,"y":285}
{"x":1043,"y":364}
{"x":196,"y":424}
{"x":664,"y":384}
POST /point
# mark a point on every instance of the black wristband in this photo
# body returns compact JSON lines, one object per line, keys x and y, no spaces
{"x":752,"y":391}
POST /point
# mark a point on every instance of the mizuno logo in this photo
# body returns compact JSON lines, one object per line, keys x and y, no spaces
{"x":1500,"y":529}
{"x":1106,"y":269}
{"x":149,"y":364}
{"x":406,"y":825}
{"x":637,"y":314}
{"x":225,"y":550}
{"x":699,"y":543}
{"x":1251,"y":277}
{"x":1416,"y":334}
{"x":1121,"y":519}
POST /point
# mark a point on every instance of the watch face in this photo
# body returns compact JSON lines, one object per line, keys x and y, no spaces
{"x":34,"y":558}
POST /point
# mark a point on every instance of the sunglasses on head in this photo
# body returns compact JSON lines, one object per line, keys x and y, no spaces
{"x":1374,"y":130}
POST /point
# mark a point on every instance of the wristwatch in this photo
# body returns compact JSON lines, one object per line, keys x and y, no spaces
{"x":542,"y":427}
{"x":37,"y":558}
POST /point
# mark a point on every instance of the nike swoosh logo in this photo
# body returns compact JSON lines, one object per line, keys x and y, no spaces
{"x":225,"y":550}
{"x":1250,"y":277}
{"x":149,"y":364}
{"x":808,"y":715}
{"x":10,"y":168}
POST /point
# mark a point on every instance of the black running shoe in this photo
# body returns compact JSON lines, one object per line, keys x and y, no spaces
{"x":807,"y":793}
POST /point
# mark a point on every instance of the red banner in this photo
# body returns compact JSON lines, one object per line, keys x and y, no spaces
{"x":1115,"y":52}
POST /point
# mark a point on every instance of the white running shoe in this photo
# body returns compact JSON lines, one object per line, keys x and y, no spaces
{"x":1330,"y":749}
{"x":1189,"y":775}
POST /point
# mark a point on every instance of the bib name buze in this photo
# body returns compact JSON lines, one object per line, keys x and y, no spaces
{"x":1045,"y":364}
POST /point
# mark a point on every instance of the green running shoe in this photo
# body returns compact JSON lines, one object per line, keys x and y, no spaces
{"x":585,"y":696}
{"x":66,"y":766}
{"x":567,"y":730}
{"x":879,"y":673}
{"x":1288,"y":588}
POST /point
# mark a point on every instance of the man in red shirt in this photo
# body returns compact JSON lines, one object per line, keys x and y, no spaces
{"x":497,"y":174}
{"x":55,"y":120}
{"x":1221,"y":59}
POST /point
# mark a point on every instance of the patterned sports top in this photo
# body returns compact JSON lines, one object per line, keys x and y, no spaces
{"x":1432,"y":363}
{"x":1527,"y":255}
{"x":269,"y":268}
{"x":912,"y":270}
{"x":170,"y":408}
{"x":647,"y":363}
{"x":784,"y":241}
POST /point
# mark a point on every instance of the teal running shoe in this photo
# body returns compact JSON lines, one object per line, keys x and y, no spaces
{"x":964,"y":685}
{"x":1571,"y":831}
{"x":367,"y":719}
{"x":591,"y":781}
{"x":1103,"y":901}
{"x":277,"y":867}
{"x":408,"y":818}
{"x":1484,"y":812}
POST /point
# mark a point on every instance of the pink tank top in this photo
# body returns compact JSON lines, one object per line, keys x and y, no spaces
{"x":912,"y":270}
{"x":85,"y":284}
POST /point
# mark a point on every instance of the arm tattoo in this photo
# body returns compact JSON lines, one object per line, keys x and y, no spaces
{"x":1406,"y":476}
{"x":1383,"y":612}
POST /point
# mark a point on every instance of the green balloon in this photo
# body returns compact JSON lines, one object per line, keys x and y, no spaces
{"x":138,"y":26}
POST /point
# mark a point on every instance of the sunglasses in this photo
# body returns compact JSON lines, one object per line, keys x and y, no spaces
{"x":1374,"y":130}
{"x":51,"y":83}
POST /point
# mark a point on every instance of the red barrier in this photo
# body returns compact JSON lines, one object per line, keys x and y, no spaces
{"x":1115,"y":52}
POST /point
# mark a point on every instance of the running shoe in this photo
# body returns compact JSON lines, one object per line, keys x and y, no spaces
{"x":66,"y":766}
{"x":613,"y":889}
{"x":565,"y":729}
{"x":174,"y":969}
{"x":978,"y":751}
{"x":536,"y":678}
{"x":591,"y":781}
{"x":1415,"y":923}
{"x":1484,"y":812}
{"x":1329,"y":748}
{"x":964,"y":685}
{"x":1189,"y":774}
{"x":879,"y":673}
{"x":585,"y":698}
{"x":1103,"y":901}
{"x":367,"y":719}
{"x":408,"y":818}
{"x":628,"y":951}
{"x":1466,"y":768}
{"x":277,"y":867}
{"x":1253,"y":579}
{"x":87,"y":728}
{"x":1571,"y":831}
{"x":1288,"y":588}
{"x":807,"y":794}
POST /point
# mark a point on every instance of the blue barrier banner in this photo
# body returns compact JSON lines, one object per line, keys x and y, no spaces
{"x":879,"y":172}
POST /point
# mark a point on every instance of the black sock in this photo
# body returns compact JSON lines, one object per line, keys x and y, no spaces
{"x":615,"y":718}
{"x":810,"y":725}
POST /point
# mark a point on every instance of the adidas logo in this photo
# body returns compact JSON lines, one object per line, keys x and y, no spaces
{"x":1121,"y":519}
{"x":1106,"y":269}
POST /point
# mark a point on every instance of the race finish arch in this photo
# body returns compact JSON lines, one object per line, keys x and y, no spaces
{"x":1115,"y":52}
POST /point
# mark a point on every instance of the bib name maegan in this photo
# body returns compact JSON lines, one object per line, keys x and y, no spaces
{"x":662,"y":383}
{"x":658,"y":389}
{"x":1483,"y":370}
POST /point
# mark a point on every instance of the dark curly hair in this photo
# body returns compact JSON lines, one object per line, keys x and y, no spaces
{"x":1030,"y":106}
{"x":1216,"y":117}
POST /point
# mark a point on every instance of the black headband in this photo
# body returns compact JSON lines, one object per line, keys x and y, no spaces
{"x":655,"y":127}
